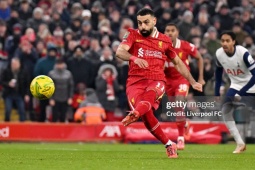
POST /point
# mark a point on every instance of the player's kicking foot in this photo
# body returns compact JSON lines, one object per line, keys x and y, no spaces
{"x":180,"y":143}
{"x":132,"y":117}
{"x":171,"y":151}
{"x":186,"y":130}
{"x":240,"y":148}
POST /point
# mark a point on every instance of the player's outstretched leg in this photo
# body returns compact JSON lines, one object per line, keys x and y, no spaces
{"x":133,"y":116}
{"x":227,"y":111}
{"x":147,"y":100}
{"x":152,"y":124}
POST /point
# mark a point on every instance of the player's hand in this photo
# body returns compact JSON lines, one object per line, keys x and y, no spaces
{"x":141,"y":62}
{"x":197,"y":86}
{"x":201,"y":81}
{"x":52,"y":102}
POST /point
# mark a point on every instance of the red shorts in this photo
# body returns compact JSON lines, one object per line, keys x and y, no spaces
{"x":136,"y":91}
{"x":179,"y":87}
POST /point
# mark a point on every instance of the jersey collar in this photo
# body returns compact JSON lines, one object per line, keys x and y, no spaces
{"x":178,"y":43}
{"x":155,"y":33}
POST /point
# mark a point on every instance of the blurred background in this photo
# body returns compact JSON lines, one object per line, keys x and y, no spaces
{"x":74,"y":42}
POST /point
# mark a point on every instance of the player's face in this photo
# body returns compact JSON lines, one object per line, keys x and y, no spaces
{"x":172,"y":32}
{"x":146,"y":24}
{"x":227,"y":44}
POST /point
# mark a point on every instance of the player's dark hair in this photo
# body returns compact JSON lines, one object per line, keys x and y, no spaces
{"x":172,"y":24}
{"x":145,"y":11}
{"x":231,"y":34}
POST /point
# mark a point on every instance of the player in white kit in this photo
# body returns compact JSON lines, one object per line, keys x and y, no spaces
{"x":236,"y":61}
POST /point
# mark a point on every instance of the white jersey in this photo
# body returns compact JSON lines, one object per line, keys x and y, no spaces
{"x":237,"y":67}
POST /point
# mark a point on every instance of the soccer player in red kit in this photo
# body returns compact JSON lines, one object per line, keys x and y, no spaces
{"x":146,"y":50}
{"x":176,"y":84}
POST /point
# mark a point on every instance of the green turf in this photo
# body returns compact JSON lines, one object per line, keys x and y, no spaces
{"x":47,"y":156}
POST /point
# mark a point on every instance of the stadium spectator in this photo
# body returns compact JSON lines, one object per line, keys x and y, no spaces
{"x":43,"y":67}
{"x":14,"y":19}
{"x":185,"y":24}
{"x":90,"y":110}
{"x":25,"y":10}
{"x":226,"y":21}
{"x":164,"y":5}
{"x":56,"y":22}
{"x":15,"y":80}
{"x":36,"y":20}
{"x":41,"y":49}
{"x":107,"y":88}
{"x":211,"y":41}
{"x":81,"y":68}
{"x":5,"y":10}
{"x":13,"y":40}
{"x":240,"y":33}
{"x":3,"y":33}
{"x":93,"y":54}
{"x":64,"y":88}
{"x":79,"y":95}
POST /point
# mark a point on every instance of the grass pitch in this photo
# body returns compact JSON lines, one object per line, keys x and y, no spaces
{"x":74,"y":156}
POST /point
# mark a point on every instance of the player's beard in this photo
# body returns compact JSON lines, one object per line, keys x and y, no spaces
{"x":146,"y":33}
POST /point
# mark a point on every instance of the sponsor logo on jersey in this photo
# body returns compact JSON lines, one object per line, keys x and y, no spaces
{"x":139,"y":40}
{"x":140,"y":52}
{"x":149,"y":53}
{"x":234,"y":72}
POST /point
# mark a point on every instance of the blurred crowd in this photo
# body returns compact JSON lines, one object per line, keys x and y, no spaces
{"x":74,"y":42}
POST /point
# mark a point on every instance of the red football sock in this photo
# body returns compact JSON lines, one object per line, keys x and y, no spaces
{"x":152,"y":124}
{"x":180,"y":126}
{"x":180,"y":121}
{"x":148,"y":100}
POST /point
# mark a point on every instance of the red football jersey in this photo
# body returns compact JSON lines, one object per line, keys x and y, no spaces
{"x":154,"y":49}
{"x":183,"y":49}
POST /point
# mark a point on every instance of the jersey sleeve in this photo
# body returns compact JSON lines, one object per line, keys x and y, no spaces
{"x":189,"y":48}
{"x":170,"y":52}
{"x":218,"y":64}
{"x":249,"y":61}
{"x":128,"y":38}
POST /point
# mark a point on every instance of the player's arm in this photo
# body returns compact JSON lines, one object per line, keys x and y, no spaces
{"x":250,"y":64}
{"x":183,"y":70}
{"x":218,"y":78}
{"x":122,"y":53}
{"x":192,"y":50}
{"x":200,"y":64}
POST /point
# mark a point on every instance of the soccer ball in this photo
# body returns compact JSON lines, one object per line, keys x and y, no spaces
{"x":42,"y":87}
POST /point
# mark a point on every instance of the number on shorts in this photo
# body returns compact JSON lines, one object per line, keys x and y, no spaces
{"x":160,"y":86}
{"x":183,"y":87}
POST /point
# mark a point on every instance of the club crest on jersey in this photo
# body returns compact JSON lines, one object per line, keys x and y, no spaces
{"x":133,"y":101}
{"x":234,"y":72}
{"x":160,"y":44}
{"x":180,"y":54}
